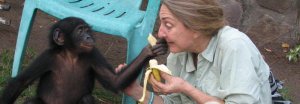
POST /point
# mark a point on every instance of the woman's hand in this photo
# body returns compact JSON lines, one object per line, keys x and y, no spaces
{"x":172,"y":84}
{"x":177,"y":85}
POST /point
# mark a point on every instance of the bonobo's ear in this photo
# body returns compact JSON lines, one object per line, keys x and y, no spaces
{"x":58,"y":36}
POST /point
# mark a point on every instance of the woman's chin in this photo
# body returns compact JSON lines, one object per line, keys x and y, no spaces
{"x":175,"y":50}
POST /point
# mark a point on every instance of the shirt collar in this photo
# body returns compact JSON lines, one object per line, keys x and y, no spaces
{"x":190,"y":64}
{"x":209,"y":52}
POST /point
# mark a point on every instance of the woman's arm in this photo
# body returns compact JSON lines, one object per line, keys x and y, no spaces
{"x":199,"y":96}
{"x":178,"y":85}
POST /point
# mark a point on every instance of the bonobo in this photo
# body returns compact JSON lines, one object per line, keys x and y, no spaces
{"x":68,"y":69}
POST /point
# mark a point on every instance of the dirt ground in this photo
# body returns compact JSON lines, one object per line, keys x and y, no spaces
{"x":114,"y":48}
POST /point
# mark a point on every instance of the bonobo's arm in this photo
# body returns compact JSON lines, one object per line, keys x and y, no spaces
{"x":110,"y":80}
{"x":16,"y":85}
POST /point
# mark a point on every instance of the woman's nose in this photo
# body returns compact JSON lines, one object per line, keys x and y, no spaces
{"x":161,"y":33}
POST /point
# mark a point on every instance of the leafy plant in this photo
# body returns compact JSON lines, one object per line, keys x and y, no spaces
{"x":294,"y":54}
{"x":285,"y":92}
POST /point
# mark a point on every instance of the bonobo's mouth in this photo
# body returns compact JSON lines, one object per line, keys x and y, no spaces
{"x":87,"y":45}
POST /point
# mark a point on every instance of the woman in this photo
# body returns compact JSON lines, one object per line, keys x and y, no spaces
{"x":210,"y":62}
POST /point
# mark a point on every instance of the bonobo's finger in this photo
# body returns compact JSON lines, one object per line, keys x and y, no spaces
{"x":148,"y":51}
{"x":160,"y":51}
{"x":160,"y":45}
{"x":120,"y":67}
{"x":161,"y":41}
{"x":157,"y":46}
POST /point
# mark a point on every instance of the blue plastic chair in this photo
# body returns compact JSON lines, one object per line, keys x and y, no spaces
{"x":118,"y":17}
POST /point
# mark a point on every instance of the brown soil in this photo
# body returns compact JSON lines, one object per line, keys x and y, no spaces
{"x":114,"y":48}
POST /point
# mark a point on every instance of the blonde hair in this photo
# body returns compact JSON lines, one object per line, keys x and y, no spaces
{"x":205,"y":16}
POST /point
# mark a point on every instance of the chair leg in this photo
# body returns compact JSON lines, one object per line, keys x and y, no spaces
{"x":24,"y":29}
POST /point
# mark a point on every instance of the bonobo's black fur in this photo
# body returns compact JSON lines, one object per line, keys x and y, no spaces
{"x":67,"y":70}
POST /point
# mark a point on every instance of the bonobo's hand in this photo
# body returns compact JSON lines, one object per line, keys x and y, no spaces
{"x":159,"y":48}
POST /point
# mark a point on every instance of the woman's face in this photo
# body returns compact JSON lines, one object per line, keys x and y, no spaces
{"x":179,"y":37}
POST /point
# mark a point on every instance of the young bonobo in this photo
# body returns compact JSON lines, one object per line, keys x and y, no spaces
{"x":67,"y":69}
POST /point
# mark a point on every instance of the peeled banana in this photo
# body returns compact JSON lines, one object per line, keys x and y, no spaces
{"x":152,"y":40}
{"x":154,"y":68}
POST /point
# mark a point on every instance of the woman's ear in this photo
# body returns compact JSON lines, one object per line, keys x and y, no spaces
{"x":58,"y":37}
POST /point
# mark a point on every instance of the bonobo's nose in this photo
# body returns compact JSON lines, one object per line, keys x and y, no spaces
{"x":88,"y":38}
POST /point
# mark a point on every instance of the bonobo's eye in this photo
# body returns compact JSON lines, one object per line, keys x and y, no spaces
{"x":79,"y":31}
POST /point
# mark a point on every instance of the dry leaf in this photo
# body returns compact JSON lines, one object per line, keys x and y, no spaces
{"x":285,"y":45}
{"x":268,"y":50}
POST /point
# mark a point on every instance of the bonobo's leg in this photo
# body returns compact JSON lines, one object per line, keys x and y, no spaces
{"x":87,"y":99}
{"x":34,"y":101}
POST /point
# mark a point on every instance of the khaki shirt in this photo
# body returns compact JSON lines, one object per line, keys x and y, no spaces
{"x":231,"y":68}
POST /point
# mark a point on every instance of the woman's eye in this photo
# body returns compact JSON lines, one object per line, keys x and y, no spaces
{"x":169,"y":25}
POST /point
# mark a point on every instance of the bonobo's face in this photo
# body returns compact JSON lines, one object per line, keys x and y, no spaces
{"x":83,"y":37}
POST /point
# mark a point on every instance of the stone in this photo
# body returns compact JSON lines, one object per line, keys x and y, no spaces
{"x":279,"y":6}
{"x":267,"y":30}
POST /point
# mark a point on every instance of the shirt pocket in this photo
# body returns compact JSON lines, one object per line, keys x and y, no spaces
{"x":209,"y":83}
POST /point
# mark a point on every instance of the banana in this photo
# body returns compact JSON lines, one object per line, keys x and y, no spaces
{"x":155,"y":69}
{"x":151,"y":39}
{"x":156,"y":74}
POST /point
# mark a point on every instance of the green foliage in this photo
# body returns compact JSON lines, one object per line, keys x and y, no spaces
{"x":6,"y":61}
{"x":5,"y":72}
{"x":294,"y":54}
{"x":285,"y":93}
{"x":104,"y":96}
{"x":5,"y":66}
